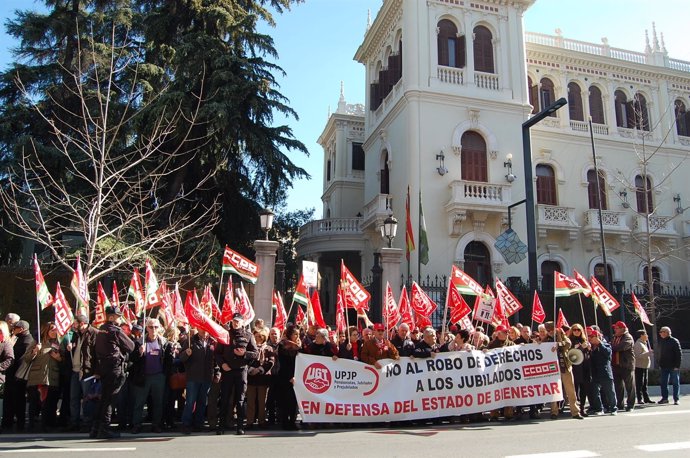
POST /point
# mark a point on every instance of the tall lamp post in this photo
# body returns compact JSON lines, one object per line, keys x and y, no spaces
{"x":266,"y":220}
{"x":529,"y":189}
{"x":389,"y":229}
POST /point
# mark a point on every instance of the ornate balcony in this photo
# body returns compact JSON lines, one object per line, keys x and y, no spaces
{"x":332,"y":234}
{"x":486,"y":81}
{"x":557,"y":220}
{"x":659,"y":227}
{"x":376,"y":211}
{"x":614,"y":223}
{"x":451,"y":75}
{"x":479,"y":199}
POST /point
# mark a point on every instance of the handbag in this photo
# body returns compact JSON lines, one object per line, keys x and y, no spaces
{"x":23,"y":370}
{"x":178,"y":381}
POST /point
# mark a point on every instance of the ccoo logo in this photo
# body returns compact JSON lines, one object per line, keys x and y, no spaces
{"x":317,"y":378}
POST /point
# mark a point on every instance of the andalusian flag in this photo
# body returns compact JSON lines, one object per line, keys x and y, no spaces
{"x":42,"y":294}
{"x":80,"y":290}
{"x":301,"y":295}
{"x":641,"y":311}
{"x":153,"y":289}
{"x":136,"y":292}
{"x":602,"y":297}
{"x":464,"y":283}
{"x":409,"y":235}
{"x":423,"y":241}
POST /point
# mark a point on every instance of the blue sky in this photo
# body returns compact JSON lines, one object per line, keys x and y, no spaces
{"x":317,"y":40}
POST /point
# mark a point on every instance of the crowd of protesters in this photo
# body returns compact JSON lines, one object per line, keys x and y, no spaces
{"x":93,"y":377}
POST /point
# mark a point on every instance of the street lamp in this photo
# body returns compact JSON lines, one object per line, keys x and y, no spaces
{"x":529,"y":188}
{"x":266,"y":220}
{"x":389,"y":229}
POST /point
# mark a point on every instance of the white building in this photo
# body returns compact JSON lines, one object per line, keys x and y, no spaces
{"x":453,"y":81}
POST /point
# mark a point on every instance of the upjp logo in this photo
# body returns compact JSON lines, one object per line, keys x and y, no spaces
{"x":317,"y":378}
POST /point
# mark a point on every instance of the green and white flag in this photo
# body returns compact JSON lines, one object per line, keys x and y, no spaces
{"x":423,"y":241}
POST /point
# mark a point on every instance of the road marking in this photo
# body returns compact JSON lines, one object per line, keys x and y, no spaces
{"x":652,"y":414}
{"x":663,"y":447}
{"x":570,"y":454}
{"x":69,"y":450}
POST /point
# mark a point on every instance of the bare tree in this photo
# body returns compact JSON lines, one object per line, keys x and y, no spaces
{"x":103,"y":188}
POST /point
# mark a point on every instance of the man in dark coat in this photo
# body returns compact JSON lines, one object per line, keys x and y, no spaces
{"x":602,"y":376}
{"x":82,"y":349}
{"x":233,"y":360}
{"x":111,"y":348}
{"x":669,"y":362}
{"x":402,"y":341}
{"x":623,"y":365}
{"x":15,"y":390}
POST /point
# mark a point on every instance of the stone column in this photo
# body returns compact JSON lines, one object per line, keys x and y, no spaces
{"x":391,"y":260}
{"x":266,"y":259}
{"x":376,"y":296}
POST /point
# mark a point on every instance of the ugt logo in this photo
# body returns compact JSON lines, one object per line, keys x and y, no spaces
{"x":317,"y":378}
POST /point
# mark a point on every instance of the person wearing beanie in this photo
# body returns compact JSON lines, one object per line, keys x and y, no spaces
{"x":623,"y":365}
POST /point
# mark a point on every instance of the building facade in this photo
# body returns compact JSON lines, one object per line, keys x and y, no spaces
{"x":449,"y":84}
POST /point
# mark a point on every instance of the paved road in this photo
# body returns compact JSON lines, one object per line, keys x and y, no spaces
{"x":648,"y":431}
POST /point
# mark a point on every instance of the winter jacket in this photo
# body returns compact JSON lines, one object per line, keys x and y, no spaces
{"x":287,"y":353}
{"x":424,"y":350}
{"x":23,"y":342}
{"x":622,"y":348}
{"x":669,"y":353}
{"x":137,"y":371}
{"x":600,"y":360}
{"x":6,"y":358}
{"x":239,"y":338}
{"x":260,"y":370}
{"x":200,"y":366}
{"x":372,"y":351}
{"x":87,"y":350}
{"x":45,"y":369}
{"x":643,"y":355}
{"x":111,"y":348}
{"x":405,"y":346}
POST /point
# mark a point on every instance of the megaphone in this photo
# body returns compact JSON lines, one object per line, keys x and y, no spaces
{"x":576,"y":356}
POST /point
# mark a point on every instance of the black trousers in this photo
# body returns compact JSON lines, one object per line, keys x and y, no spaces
{"x":111,"y":384}
{"x":641,"y":380}
{"x":14,"y":405}
{"x":287,"y":403}
{"x":624,"y":379}
{"x":233,"y":382}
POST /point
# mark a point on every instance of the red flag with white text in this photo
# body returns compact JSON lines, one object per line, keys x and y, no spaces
{"x":237,"y":264}
{"x":178,"y":306}
{"x":602,"y":297}
{"x":464,"y":283}
{"x":586,"y":288}
{"x":565,"y":286}
{"x":391,"y":313}
{"x":561,"y":320}
{"x":340,"y":320}
{"x":509,"y":302}
{"x":198,"y":319}
{"x":228,"y":305}
{"x":405,"y":309}
{"x":101,"y":303}
{"x":80,"y":289}
{"x":136,"y":292}
{"x":357,"y":296}
{"x":421,"y":302}
{"x":153,"y":292}
{"x":641,"y":311}
{"x":63,"y":313}
{"x":244,"y":306}
{"x":281,"y":318}
{"x":458,"y":307}
{"x":538,"y":314}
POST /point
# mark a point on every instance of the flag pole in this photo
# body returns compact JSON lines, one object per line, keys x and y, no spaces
{"x":445,"y":311}
{"x":220,"y":287}
{"x":582,"y":309}
{"x":38,"y":319}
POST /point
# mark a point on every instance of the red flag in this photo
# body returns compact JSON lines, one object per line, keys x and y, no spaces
{"x":602,"y":297}
{"x":167,"y":306}
{"x":80,"y":289}
{"x":405,"y":308}
{"x":237,"y":264}
{"x":244,"y":306}
{"x":281,"y":318}
{"x":316,"y":310}
{"x":209,"y":304}
{"x":641,"y":311}
{"x":357,"y":296}
{"x":464,"y":283}
{"x":340,"y":321}
{"x":178,"y":306}
{"x":101,"y":303}
{"x":586,"y":288}
{"x":565,"y":286}
{"x":561,"y":320}
{"x":499,"y":316}
{"x":300,"y":317}
{"x":409,"y":235}
{"x":301,"y":295}
{"x":135,"y":291}
{"x":63,"y":313}
{"x":538,"y":314}
{"x":200,"y":320}
{"x":421,"y":302}
{"x":466,"y":323}
{"x":153,"y":291}
{"x":458,"y":307}
{"x":115,"y":296}
{"x":128,"y":315}
{"x":42,"y":294}
{"x":391,"y":314}
{"x":509,"y":302}
{"x":421,"y":321}
{"x":228,"y":305}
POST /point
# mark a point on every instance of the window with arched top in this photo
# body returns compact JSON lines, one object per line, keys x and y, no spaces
{"x":620,"y":102}
{"x":473,"y":157}
{"x":547,"y":272}
{"x":592,"y":190}
{"x":546,"y":185}
{"x":596,"y":105}
{"x":643,"y":194}
{"x":451,"y":47}
{"x":656,"y":279}
{"x":385,"y":174}
{"x":328,"y":170}
{"x":682,"y":119}
{"x":478,"y":262}
{"x":547,"y":94}
{"x":533,"y":91}
{"x":483,"y":50}
{"x":601,"y":272}
{"x":575,"y":102}
{"x":640,"y":112}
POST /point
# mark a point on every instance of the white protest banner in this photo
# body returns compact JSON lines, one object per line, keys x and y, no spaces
{"x":310,"y":270}
{"x":454,"y":383}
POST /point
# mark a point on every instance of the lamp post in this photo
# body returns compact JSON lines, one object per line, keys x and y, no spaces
{"x":529,"y":188}
{"x":266,"y":220}
{"x":389,"y":229}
